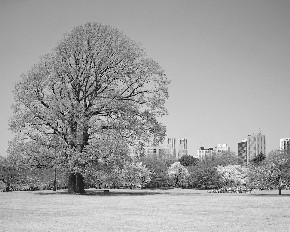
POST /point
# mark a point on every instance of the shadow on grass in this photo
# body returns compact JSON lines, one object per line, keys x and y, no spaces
{"x":102,"y":193}
{"x":271,"y":195}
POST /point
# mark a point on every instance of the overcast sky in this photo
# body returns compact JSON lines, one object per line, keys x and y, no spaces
{"x":228,"y":61}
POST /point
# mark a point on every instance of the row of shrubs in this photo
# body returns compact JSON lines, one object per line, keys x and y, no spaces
{"x":240,"y":189}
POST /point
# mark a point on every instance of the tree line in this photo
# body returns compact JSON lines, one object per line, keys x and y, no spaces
{"x":220,"y":170}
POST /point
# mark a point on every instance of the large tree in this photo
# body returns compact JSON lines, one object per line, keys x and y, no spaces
{"x":273,"y":172}
{"x":97,"y":87}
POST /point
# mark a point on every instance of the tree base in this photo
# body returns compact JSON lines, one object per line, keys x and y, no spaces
{"x":76,"y":183}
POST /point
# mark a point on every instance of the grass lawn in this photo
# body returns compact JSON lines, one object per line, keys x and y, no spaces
{"x":145,"y":210}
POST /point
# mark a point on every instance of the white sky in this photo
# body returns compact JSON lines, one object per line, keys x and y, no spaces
{"x":229,"y":61}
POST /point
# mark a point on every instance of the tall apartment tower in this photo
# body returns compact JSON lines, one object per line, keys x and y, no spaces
{"x":242,"y":150}
{"x":182,"y":147}
{"x":171,"y":146}
{"x":285,"y":144}
{"x":251,"y":147}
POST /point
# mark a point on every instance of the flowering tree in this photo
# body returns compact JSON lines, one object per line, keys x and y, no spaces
{"x":97,"y":86}
{"x":274,"y":172}
{"x":233,"y":175}
{"x":135,"y":175}
{"x":178,"y":173}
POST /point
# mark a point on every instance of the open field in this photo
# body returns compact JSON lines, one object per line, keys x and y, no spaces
{"x":144,"y":210}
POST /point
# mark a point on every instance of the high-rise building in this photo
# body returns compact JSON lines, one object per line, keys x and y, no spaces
{"x":182,"y":147}
{"x":171,"y":146}
{"x":285,"y":144}
{"x":255,"y":144}
{"x":242,"y":150}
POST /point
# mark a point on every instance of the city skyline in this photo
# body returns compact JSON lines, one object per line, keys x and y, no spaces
{"x":228,"y":61}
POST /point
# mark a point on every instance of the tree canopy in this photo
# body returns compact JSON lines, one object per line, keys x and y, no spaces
{"x":273,"y":172}
{"x":95,"y":93}
{"x":178,"y":173}
{"x":222,"y":159}
{"x":188,"y":160}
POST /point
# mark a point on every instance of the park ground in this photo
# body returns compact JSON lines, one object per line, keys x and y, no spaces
{"x":145,"y":210}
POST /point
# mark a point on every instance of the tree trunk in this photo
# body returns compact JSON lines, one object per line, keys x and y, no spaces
{"x":76,"y":183}
{"x":280,"y":192}
{"x":7,"y":186}
{"x":54,"y":182}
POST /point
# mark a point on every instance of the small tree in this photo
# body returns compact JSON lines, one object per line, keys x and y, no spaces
{"x":178,"y":173}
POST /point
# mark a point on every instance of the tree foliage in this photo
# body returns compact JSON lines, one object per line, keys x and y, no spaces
{"x":158,"y":167}
{"x":258,"y":159}
{"x":188,"y":160}
{"x":135,"y":175}
{"x":233,"y":175}
{"x":273,"y":172}
{"x":203,"y":176}
{"x":222,"y":159}
{"x":8,"y":174}
{"x":178,"y":173}
{"x":97,"y":86}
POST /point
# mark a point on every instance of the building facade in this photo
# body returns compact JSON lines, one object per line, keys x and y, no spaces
{"x":203,"y":152}
{"x":255,"y":144}
{"x":285,"y":144}
{"x":156,"y":151}
{"x":182,"y":147}
{"x":242,"y":150}
{"x":222,"y":148}
{"x":172,"y":147}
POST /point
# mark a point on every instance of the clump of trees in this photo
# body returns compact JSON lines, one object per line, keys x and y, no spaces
{"x":82,"y":107}
{"x":233,"y":175}
{"x":273,"y":172}
{"x":225,"y":170}
{"x":158,"y":167}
